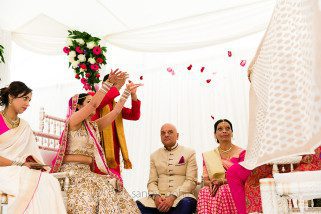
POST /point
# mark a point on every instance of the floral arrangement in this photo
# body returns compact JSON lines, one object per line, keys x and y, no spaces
{"x":86,"y":57}
{"x":1,"y":54}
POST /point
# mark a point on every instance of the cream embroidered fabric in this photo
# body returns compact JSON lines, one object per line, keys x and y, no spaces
{"x":285,"y":106}
{"x":80,"y":143}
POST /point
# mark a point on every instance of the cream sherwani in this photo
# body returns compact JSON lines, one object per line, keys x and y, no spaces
{"x":171,"y":173}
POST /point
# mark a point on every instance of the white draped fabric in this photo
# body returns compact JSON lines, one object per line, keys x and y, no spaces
{"x":200,"y":31}
{"x":285,"y":99}
{"x":45,"y":35}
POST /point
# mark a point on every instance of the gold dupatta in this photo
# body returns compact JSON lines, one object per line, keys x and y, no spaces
{"x":213,"y":163}
{"x":108,"y":141}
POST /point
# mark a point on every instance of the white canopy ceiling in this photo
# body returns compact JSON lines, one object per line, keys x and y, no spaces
{"x":168,"y":25}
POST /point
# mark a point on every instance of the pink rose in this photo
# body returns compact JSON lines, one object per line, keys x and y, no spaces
{"x":87,"y":87}
{"x":66,"y":50}
{"x":97,"y":75}
{"x":94,"y":67}
{"x":77,"y":76}
{"x":99,"y":60}
{"x":79,"y":50}
{"x":87,"y":75}
{"x":83,"y":81}
{"x":83,"y":66}
{"x":96,"y":50}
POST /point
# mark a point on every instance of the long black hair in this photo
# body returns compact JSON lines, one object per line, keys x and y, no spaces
{"x":15,"y":89}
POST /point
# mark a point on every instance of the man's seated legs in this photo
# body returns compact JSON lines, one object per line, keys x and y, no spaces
{"x":186,"y":205}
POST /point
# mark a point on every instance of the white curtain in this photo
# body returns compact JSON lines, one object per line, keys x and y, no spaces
{"x":5,"y":41}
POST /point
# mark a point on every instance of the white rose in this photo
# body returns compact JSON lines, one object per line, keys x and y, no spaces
{"x":80,"y":41}
{"x":72,"y":54}
{"x":82,"y":58}
{"x":75,"y":64}
{"x":90,"y":45}
{"x":69,"y":42}
{"x":81,"y":70}
{"x":71,"y":59}
{"x":91,"y":60}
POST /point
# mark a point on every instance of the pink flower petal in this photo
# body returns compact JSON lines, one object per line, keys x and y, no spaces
{"x":189,"y":67}
{"x":212,"y":117}
{"x":229,"y":53}
{"x":243,"y":63}
{"x":208,"y":80}
{"x":169,"y":69}
{"x":202,"y":69}
{"x":141,"y":77}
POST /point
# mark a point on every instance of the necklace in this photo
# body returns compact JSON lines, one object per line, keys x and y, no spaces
{"x":225,"y":151}
{"x":13,"y":123}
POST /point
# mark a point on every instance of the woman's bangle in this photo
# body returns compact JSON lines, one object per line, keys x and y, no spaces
{"x":106,"y":86}
{"x":125,"y":95}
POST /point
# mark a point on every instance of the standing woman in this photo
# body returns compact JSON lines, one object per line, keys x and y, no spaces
{"x":91,"y":190}
{"x":215,"y":196}
{"x":29,"y":190}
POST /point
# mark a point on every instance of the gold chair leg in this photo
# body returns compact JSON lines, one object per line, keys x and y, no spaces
{"x":3,"y":202}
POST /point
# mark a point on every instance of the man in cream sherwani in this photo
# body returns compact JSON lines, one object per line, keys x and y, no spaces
{"x":172,"y":178}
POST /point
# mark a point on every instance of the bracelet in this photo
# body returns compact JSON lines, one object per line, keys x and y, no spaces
{"x":106,"y":86}
{"x":103,"y":90}
{"x":125,"y":95}
{"x":17,"y":163}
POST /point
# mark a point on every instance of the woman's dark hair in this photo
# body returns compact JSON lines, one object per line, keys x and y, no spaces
{"x":220,"y":121}
{"x":81,"y":99}
{"x":105,"y":77}
{"x":15,"y":89}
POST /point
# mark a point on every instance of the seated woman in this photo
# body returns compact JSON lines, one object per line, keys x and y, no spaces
{"x":215,"y":196}
{"x":93,"y":188}
{"x":22,"y":174}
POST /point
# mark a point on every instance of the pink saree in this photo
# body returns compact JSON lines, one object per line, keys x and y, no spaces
{"x":222,"y":202}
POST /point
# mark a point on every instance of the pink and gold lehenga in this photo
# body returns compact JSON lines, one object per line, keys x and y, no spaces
{"x":93,"y":189}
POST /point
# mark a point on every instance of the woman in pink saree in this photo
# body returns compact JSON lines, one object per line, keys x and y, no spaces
{"x":22,"y":174}
{"x":215,"y":196}
{"x":93,"y":188}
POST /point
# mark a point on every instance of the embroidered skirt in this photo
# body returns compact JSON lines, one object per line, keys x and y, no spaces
{"x":93,"y":193}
